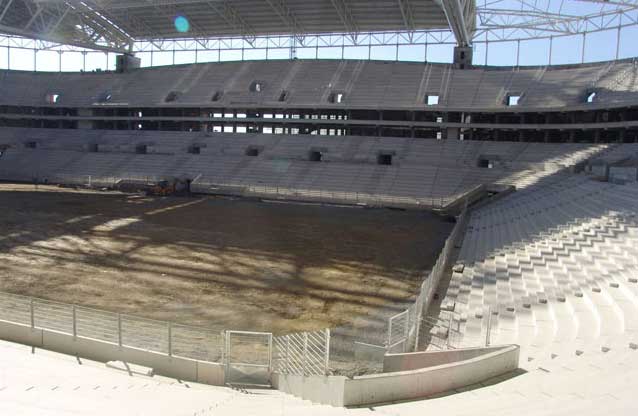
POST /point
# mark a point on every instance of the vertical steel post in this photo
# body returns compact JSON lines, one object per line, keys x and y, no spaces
{"x":305,"y":353}
{"x":119,"y":330}
{"x":269,"y":352}
{"x":449,"y":331}
{"x":287,"y":366}
{"x":170,"y":339}
{"x":32,"y":313}
{"x":327,"y":357}
{"x":618,"y":39}
{"x":489,"y":326}
{"x":406,"y":330}
{"x":75,"y":324}
{"x":222,"y":346}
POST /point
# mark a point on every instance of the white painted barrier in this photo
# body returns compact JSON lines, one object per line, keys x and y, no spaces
{"x":175,"y":367}
{"x":442,"y":372}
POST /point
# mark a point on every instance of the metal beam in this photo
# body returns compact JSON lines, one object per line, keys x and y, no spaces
{"x":54,"y":39}
{"x":6,"y":9}
{"x":531,"y":21}
{"x":459,"y":18}
{"x":288,"y":18}
{"x":343,"y":10}
{"x":230,"y":15}
{"x":406,"y":13}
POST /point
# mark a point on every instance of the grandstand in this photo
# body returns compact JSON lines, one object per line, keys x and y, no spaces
{"x":318,"y":236}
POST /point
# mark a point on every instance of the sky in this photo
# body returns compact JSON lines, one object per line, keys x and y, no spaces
{"x":599,"y":46}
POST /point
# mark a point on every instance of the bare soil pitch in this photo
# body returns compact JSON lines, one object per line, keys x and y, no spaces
{"x":219,"y":263}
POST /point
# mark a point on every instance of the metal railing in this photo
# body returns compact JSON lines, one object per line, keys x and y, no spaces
{"x":304,"y":353}
{"x":115,"y":328}
{"x":404,"y":328}
{"x":450,"y":331}
{"x":322,"y":196}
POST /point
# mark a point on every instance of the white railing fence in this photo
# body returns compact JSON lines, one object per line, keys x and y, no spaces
{"x":404,"y":328}
{"x":115,"y":328}
{"x":304,"y":353}
{"x":450,"y":331}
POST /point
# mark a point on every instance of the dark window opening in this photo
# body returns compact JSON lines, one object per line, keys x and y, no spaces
{"x":257,"y":86}
{"x":485,"y":163}
{"x":31,"y":145}
{"x":105,"y":97}
{"x":283,"y":96}
{"x":94,"y":148}
{"x":53,"y":98}
{"x":172,"y":96}
{"x":252,"y":151}
{"x":315,"y":156}
{"x":194,"y":150}
{"x":141,"y":149}
{"x":218,"y":96}
{"x":336,"y":98}
{"x":384,"y":159}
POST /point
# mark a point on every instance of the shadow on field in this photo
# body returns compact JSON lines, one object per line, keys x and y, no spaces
{"x":202,"y":261}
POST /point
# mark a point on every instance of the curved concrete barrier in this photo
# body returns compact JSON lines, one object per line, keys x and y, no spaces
{"x":409,"y":376}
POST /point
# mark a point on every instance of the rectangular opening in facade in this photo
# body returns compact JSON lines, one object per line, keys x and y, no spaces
{"x":53,"y":98}
{"x":315,"y":156}
{"x":336,"y":98}
{"x":172,"y":96}
{"x":217,"y":96}
{"x":141,"y":149}
{"x":94,"y":148}
{"x":194,"y":149}
{"x":384,"y":159}
{"x":485,"y":163}
{"x":512,"y":100}
{"x":252,"y":151}
{"x":31,"y":145}
{"x":256,"y":86}
{"x":432,"y":100}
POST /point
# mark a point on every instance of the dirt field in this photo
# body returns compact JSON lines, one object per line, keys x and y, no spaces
{"x":220,"y":263}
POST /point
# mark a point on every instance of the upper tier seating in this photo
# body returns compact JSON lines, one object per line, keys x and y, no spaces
{"x":364,"y":84}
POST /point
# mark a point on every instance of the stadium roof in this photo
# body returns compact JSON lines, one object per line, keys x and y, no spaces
{"x":116,"y":25}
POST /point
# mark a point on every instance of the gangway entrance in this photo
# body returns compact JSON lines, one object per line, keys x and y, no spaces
{"x":248,"y":358}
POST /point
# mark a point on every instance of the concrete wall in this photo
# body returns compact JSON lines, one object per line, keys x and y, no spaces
{"x":418,"y":360}
{"x":318,"y":389}
{"x":599,"y":170}
{"x":444,"y":371}
{"x":175,"y":367}
{"x":624,"y":174}
{"x":414,"y":384}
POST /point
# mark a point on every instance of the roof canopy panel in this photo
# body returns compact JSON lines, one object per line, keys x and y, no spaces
{"x":116,"y":24}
